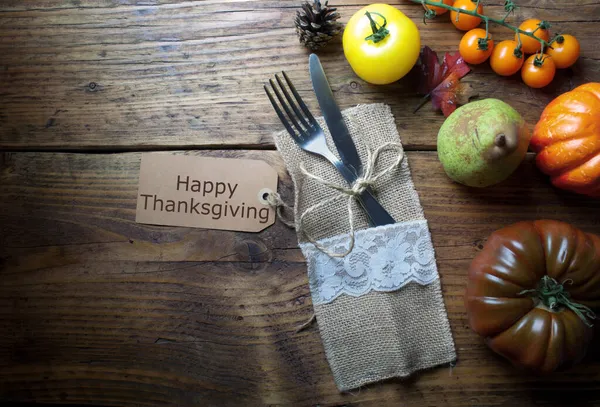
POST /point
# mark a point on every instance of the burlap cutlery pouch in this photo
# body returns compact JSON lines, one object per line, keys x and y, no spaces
{"x":379,"y":309}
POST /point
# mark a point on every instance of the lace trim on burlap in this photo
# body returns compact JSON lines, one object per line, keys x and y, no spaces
{"x":385,"y":259}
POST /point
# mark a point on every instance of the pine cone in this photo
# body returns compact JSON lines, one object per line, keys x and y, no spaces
{"x":316,"y":25}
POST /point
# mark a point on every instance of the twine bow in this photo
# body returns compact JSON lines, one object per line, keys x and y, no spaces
{"x":369,"y":178}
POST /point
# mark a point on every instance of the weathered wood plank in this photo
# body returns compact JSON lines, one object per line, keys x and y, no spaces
{"x":125,"y":75}
{"x":78,"y":204}
{"x":98,"y":309}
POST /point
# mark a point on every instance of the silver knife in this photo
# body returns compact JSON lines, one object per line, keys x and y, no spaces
{"x":333,"y":116}
{"x":342,"y":140}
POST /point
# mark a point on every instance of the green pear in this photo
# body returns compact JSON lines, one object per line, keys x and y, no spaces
{"x":482,"y":142}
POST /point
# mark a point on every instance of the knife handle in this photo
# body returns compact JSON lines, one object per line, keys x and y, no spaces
{"x":377,"y":213}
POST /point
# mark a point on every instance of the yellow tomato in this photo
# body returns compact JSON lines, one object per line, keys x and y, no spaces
{"x":384,"y":57}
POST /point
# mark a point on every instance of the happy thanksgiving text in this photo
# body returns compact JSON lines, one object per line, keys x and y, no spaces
{"x":205,"y":190}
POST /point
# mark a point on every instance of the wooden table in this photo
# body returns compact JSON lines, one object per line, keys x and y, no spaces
{"x":97,"y":309}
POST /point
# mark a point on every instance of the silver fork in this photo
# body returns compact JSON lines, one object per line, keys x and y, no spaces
{"x":310,"y":137}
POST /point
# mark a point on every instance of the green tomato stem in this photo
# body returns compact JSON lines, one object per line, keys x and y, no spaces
{"x":518,"y":52}
{"x":509,"y":7}
{"x":482,"y":43}
{"x":379,"y":33}
{"x":557,"y":38}
{"x":553,"y":296}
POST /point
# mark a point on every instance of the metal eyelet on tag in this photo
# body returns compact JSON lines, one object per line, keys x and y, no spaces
{"x":263,"y":194}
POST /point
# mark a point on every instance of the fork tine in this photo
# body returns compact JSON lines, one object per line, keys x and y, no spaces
{"x":280,"y":114}
{"x":287,"y":110}
{"x":291,"y":102}
{"x":299,"y":99}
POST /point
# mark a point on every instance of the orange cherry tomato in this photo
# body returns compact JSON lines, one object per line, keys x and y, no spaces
{"x":565,"y":52}
{"x":471,"y":49}
{"x":462,"y":21}
{"x":503,"y":60}
{"x":439,"y":10}
{"x":535,"y":75}
{"x":535,"y":26}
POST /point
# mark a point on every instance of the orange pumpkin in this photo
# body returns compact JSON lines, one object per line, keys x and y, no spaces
{"x":567,"y":140}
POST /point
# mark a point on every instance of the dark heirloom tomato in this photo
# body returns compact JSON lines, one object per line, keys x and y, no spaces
{"x":531,"y":292}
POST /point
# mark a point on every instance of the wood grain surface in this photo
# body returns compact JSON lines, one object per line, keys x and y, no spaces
{"x":96,"y":309}
{"x":133,"y":75}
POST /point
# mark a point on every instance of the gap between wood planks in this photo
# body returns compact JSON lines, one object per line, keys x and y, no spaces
{"x":144,"y":149}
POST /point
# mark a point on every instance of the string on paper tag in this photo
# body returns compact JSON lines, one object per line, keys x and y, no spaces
{"x":274,"y":200}
{"x":369,"y":178}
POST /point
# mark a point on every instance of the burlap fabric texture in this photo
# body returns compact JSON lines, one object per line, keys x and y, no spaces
{"x":378,"y":335}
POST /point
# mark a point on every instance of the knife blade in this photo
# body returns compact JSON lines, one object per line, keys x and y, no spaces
{"x":343,"y":141}
{"x":333,"y":116}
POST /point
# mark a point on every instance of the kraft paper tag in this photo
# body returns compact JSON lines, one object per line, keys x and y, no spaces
{"x":205,"y":192}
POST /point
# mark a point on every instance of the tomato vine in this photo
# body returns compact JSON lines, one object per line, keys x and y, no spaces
{"x":509,"y":7}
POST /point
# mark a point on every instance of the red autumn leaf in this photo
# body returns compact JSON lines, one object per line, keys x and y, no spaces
{"x":450,"y":93}
{"x":454,"y":63}
{"x":441,"y":82}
